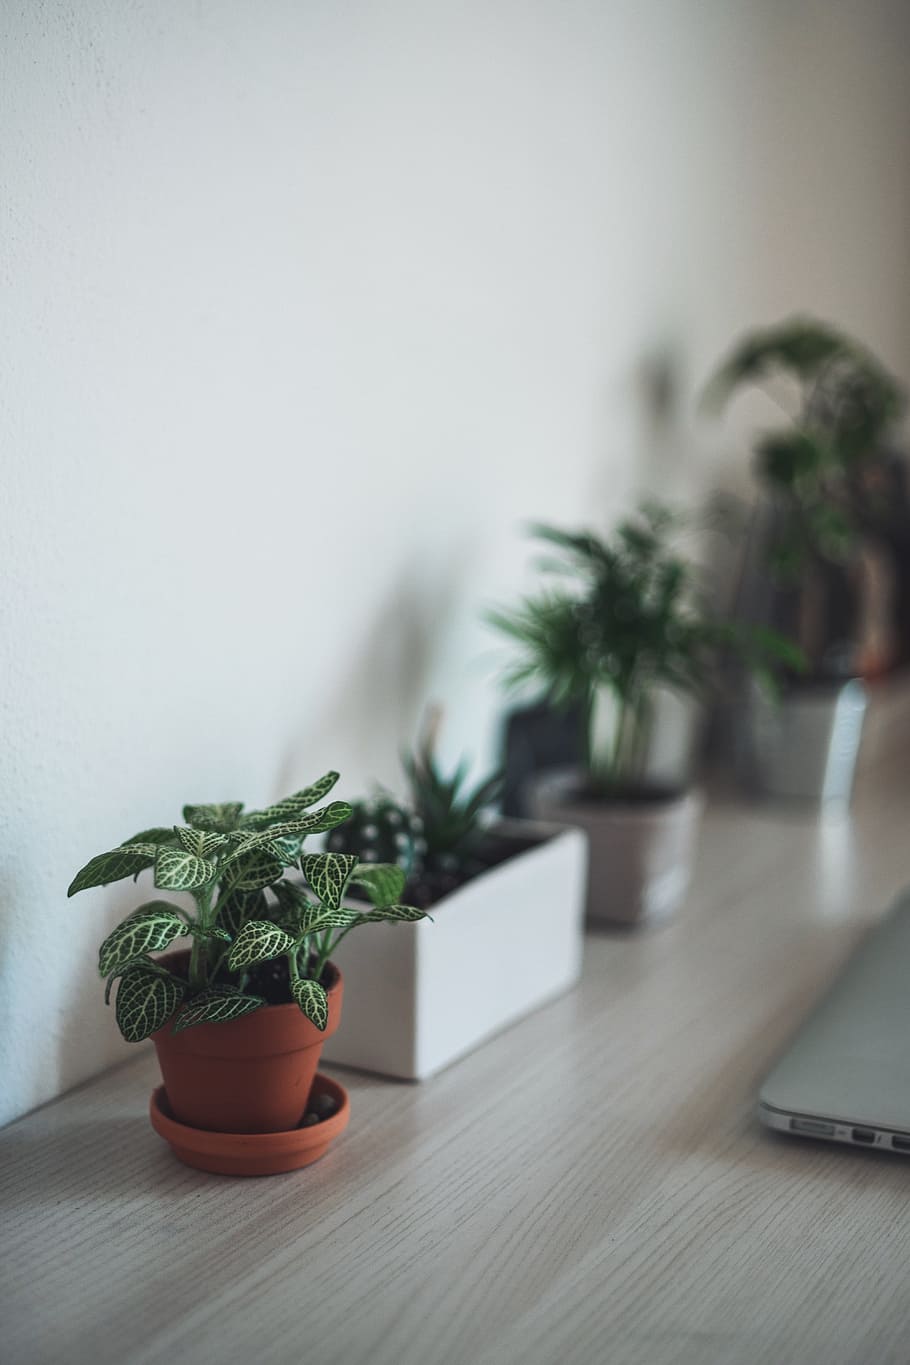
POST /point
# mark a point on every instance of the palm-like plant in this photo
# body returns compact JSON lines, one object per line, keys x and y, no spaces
{"x":622,"y":618}
{"x":814,"y":466}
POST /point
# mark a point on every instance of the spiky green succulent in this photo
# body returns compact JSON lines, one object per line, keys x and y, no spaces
{"x":381,"y":830}
{"x":438,"y":838}
{"x":450,"y":810}
{"x":259,"y":901}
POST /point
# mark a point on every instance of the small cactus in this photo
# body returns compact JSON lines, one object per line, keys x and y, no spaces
{"x":382,"y":831}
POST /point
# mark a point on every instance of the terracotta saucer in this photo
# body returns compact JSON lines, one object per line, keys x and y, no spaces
{"x":252,"y":1153}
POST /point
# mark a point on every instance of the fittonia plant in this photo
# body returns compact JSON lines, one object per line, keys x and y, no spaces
{"x":258,"y":899}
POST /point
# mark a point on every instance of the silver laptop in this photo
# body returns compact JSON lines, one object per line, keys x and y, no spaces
{"x":846,"y":1076}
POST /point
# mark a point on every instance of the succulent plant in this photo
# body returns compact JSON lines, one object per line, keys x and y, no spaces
{"x":450,"y":812}
{"x":437,"y":838}
{"x":381,"y":830}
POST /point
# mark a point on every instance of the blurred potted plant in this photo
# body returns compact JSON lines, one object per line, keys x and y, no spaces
{"x":821,"y":547}
{"x":238,"y":1020}
{"x":624,"y":621}
{"x":507,"y":902}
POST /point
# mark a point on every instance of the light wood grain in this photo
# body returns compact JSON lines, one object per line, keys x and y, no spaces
{"x":590,"y":1186}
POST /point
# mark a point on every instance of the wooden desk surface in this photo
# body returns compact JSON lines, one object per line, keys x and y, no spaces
{"x":592,"y":1186}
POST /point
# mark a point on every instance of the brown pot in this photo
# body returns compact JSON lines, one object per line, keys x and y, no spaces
{"x":253,"y":1153}
{"x":251,"y":1075}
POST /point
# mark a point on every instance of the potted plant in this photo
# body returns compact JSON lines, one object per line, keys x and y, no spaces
{"x":621,"y":623}
{"x":239,"y":1018}
{"x":506,"y":899}
{"x":822,"y":548}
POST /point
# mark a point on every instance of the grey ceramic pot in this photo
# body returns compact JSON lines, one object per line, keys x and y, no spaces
{"x":805,"y":746}
{"x":640,"y":854}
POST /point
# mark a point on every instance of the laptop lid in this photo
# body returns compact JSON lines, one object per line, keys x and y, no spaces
{"x":850,"y":1062}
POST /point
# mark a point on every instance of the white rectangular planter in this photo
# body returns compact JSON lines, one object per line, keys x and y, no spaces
{"x":417,"y":996}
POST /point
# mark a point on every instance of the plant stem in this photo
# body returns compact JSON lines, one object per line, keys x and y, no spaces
{"x":198,"y":952}
{"x":618,"y":743}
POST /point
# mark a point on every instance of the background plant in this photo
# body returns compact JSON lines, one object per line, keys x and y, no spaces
{"x":250,"y":909}
{"x":618,"y":619}
{"x":450,"y":808}
{"x":439,"y":833}
{"x":841,"y":405}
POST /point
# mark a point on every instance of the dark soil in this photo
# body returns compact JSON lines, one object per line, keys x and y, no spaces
{"x":625,"y":796}
{"x":435,"y":883}
{"x":271,"y":980}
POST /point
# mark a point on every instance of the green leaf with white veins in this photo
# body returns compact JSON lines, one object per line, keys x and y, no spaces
{"x":222,"y":818}
{"x":383,"y":882}
{"x":292,"y":806}
{"x":152,"y":836}
{"x":312,"y":822}
{"x":177,"y":870}
{"x":146,"y":1000}
{"x":126,"y":861}
{"x":216,"y":1006}
{"x":313,"y":1001}
{"x":317,"y":918}
{"x":240,"y":906}
{"x":258,"y":941}
{"x":252,"y":872}
{"x":401,"y":914}
{"x":210,"y":933}
{"x":148,"y":930}
{"x":328,"y":875}
{"x":199,"y":842}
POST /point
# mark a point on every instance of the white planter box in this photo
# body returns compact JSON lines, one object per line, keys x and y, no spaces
{"x":417,"y":996}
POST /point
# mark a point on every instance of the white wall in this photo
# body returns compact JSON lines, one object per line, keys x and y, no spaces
{"x":306,"y":305}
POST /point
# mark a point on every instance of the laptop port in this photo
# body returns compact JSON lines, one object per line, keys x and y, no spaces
{"x":814,"y":1127}
{"x":863,"y":1135}
{"x":900,"y":1144}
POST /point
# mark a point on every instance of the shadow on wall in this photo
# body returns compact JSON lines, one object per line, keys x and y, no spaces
{"x":656,"y":448}
{"x":377,"y":706}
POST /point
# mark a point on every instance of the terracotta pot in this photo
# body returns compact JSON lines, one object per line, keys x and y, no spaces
{"x":253,"y":1153}
{"x":251,"y":1075}
{"x":641,"y":853}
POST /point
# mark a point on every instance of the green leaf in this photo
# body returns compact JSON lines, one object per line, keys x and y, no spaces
{"x":156,"y":836}
{"x":252,"y":872}
{"x":383,"y":882}
{"x":199,"y":842}
{"x":240,"y":906}
{"x":328,"y":874}
{"x":293,"y":903}
{"x":312,"y":822}
{"x":221,"y":818}
{"x":211,"y":931}
{"x":148,"y":930}
{"x":126,"y":861}
{"x":146,"y":999}
{"x":216,"y":1006}
{"x":177,"y":870}
{"x":313,"y":1001}
{"x":287,"y":851}
{"x":317,"y":918}
{"x":394,"y":913}
{"x":294,"y":805}
{"x":258,"y":941}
